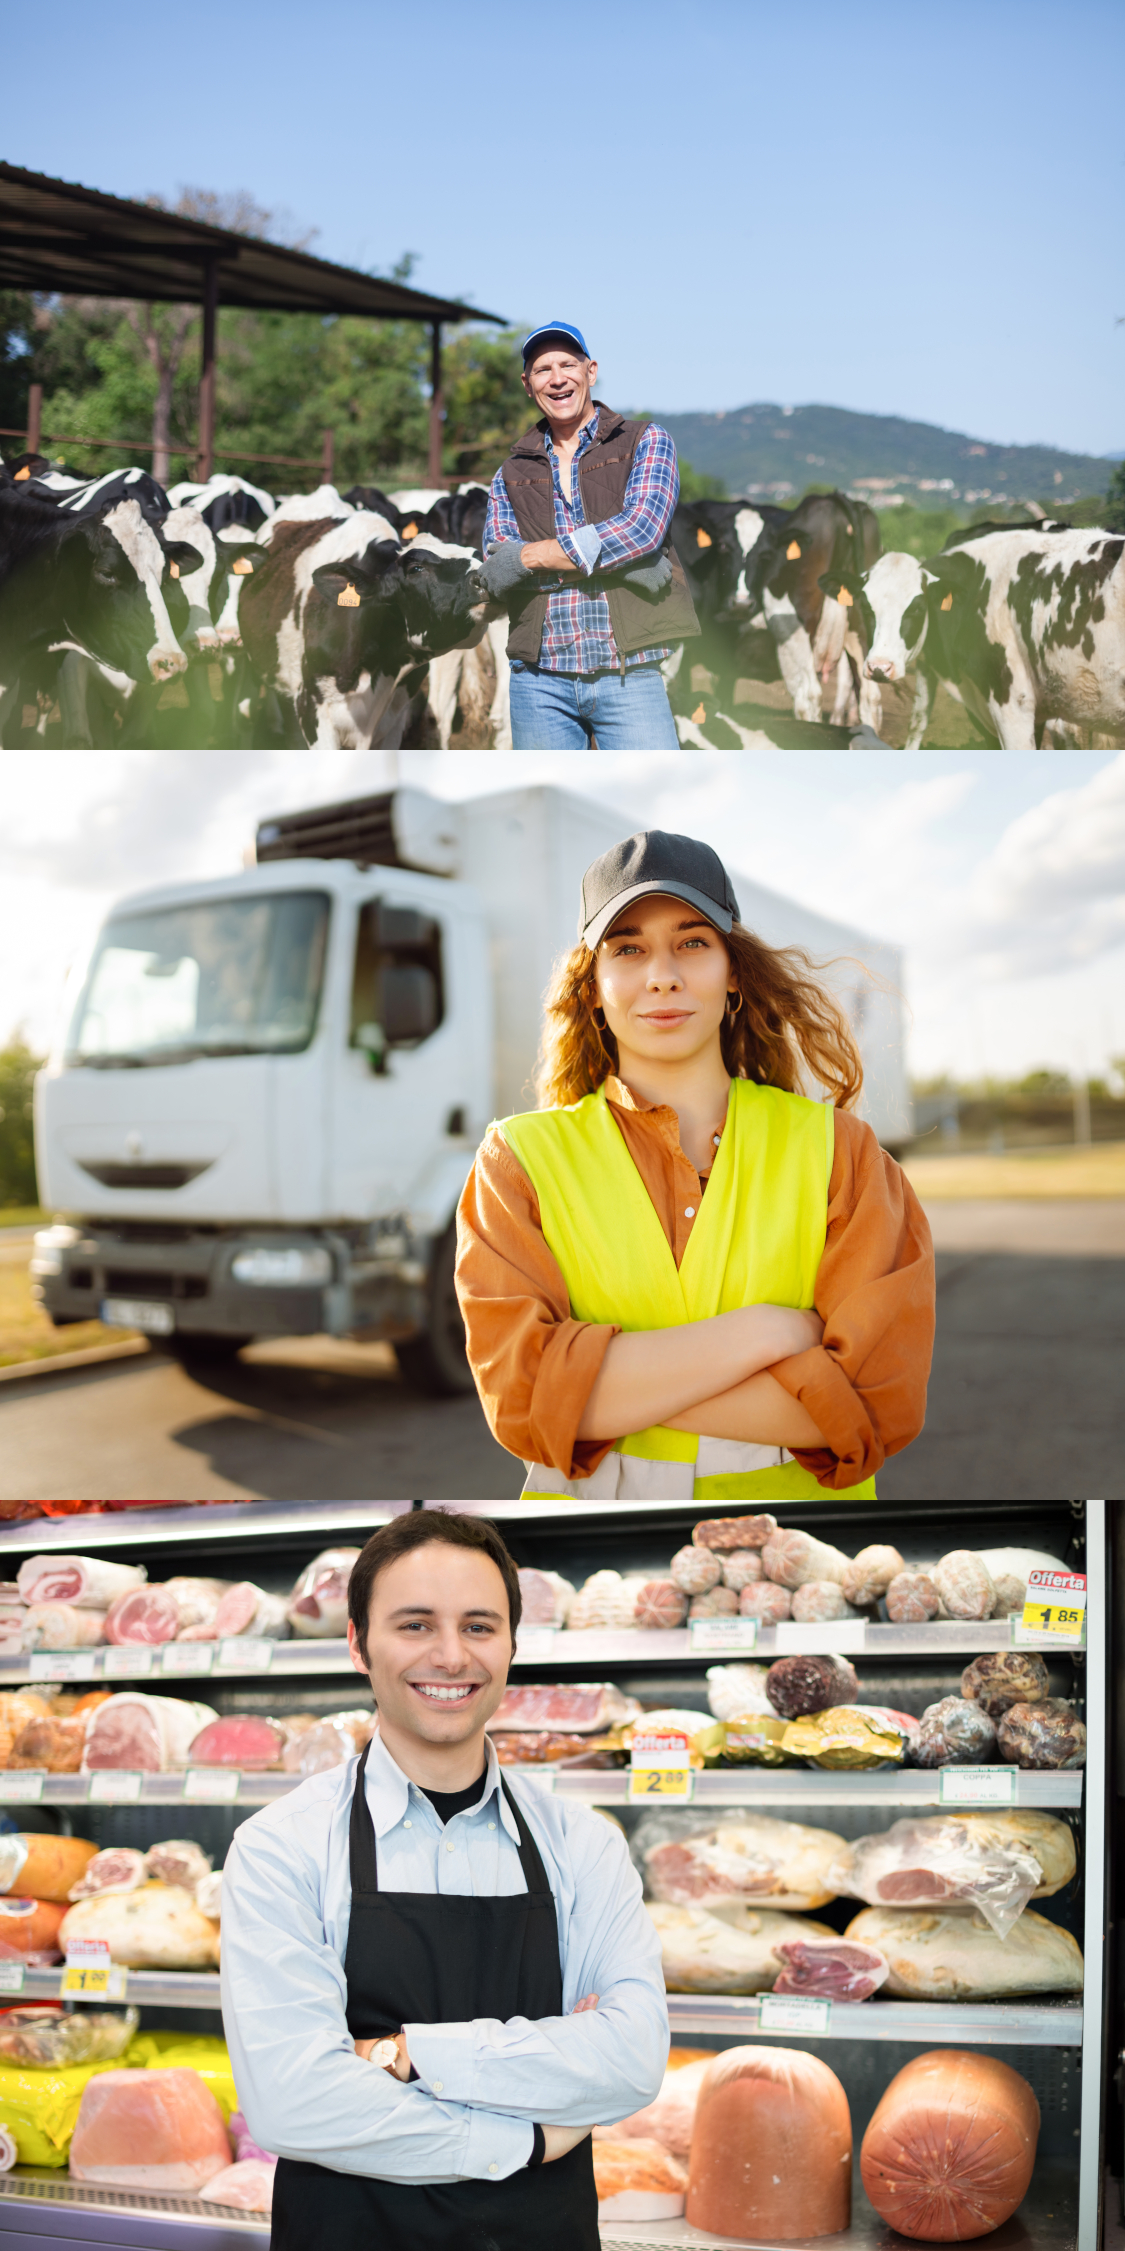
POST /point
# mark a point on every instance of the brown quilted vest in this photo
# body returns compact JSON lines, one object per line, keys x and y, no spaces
{"x":638,"y":621}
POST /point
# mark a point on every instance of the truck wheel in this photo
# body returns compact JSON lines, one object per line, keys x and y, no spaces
{"x":436,"y":1363}
{"x":201,"y":1348}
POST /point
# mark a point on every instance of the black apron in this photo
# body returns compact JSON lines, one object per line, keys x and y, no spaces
{"x":421,"y":1958}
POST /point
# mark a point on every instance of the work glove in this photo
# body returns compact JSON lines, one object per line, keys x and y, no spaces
{"x":504,"y":574}
{"x":651,"y":577}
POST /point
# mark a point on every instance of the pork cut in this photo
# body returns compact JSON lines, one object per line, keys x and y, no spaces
{"x":754,"y":1857}
{"x":156,"y":1927}
{"x":993,"y":1861}
{"x":179,"y":1860}
{"x":704,"y":1952}
{"x":575,"y":1707}
{"x":1005,"y":1677}
{"x":119,"y":1868}
{"x":830,"y":1969}
{"x":243,"y":1741}
{"x":247,"y":1609}
{"x":144,"y":1615}
{"x":149,"y":1734}
{"x":318,"y":1605}
{"x":85,"y":1581}
{"x":1045,"y":1735}
{"x":61,"y":1625}
{"x":149,"y":2130}
{"x":53,"y":1745}
{"x":545,"y":1598}
{"x":951,"y":1954}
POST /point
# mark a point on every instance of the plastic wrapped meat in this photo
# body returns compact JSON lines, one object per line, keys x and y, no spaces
{"x":955,"y":1732}
{"x":830,"y":1969}
{"x":327,"y":1743}
{"x":54,"y":1745}
{"x":146,"y":1734}
{"x":43,"y":1865}
{"x":576,"y":1707}
{"x":30,"y":1926}
{"x":718,"y":1602}
{"x":765,"y":1602}
{"x":1011,"y":1594}
{"x":62,"y":1625}
{"x":704,"y":1733}
{"x":758,"y":1740}
{"x":965,"y":1584}
{"x":242,"y":1740}
{"x":660,"y":1603}
{"x":119,"y":1868}
{"x":696,"y":1569}
{"x":1046,"y":1735}
{"x":46,"y":2038}
{"x":734,"y":1690}
{"x":156,"y":1927}
{"x":871,"y":1574}
{"x":792,"y":1558}
{"x":950,"y":2150}
{"x":17,"y":1707}
{"x":543,"y":1749}
{"x":1005,"y":1677}
{"x":179,"y":1860}
{"x":197,"y":1601}
{"x":820,"y":1599}
{"x":209,"y":1897}
{"x":705,"y":1952}
{"x":247,"y":1610}
{"x":149,"y":2130}
{"x":799,"y":1685}
{"x":545,"y":1597}
{"x":85,"y":1582}
{"x":145,"y":1616}
{"x":912,"y":1599}
{"x":771,"y":2155}
{"x":318,"y":1605}
{"x":993,"y":1864}
{"x":637,"y":2181}
{"x":851,"y":1736}
{"x":953,"y":1954}
{"x":727,"y":1532}
{"x":244,"y":2143}
{"x":753,"y":1857}
{"x":13,"y":1618}
{"x":605,"y":1602}
{"x":670,"y":2118}
{"x":742,"y":1567}
{"x":246,"y":2186}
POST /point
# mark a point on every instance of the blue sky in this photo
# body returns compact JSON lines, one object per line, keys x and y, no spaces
{"x":899,"y":209}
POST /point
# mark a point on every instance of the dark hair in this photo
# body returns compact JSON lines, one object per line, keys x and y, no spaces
{"x":421,"y":1529}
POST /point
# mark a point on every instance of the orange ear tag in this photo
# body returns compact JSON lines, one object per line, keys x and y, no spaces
{"x":20,"y":475}
{"x":410,"y":531}
{"x":792,"y":551}
{"x":702,"y":538}
{"x":348,"y":600}
{"x":844,"y":598}
{"x":241,"y":568}
{"x":948,"y":602}
{"x":174,"y":569}
{"x":699,"y":715}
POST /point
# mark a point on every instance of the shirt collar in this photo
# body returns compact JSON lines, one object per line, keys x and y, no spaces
{"x":389,"y":1790}
{"x":586,"y":435}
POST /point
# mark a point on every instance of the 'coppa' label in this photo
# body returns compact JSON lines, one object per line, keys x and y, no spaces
{"x":977,"y":1785}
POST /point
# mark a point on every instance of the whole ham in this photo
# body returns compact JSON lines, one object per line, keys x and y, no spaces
{"x":574,"y":1707}
{"x":43,"y":1865}
{"x":156,"y":1927}
{"x":247,"y":1609}
{"x":1048,"y":1734}
{"x":771,"y":2155}
{"x":950,"y":2151}
{"x":668,"y":2120}
{"x":792,"y":1558}
{"x":62,"y":1625}
{"x":143,"y":1615}
{"x":660,"y":1603}
{"x":992,"y":1861}
{"x":754,"y":1858}
{"x":53,"y":1745}
{"x":830,"y":1969}
{"x":545,"y":1598}
{"x":637,"y":2180}
{"x":84,"y":1581}
{"x":318,"y":1605}
{"x":179,"y":1860}
{"x":119,"y":1868}
{"x":703,"y":1952}
{"x":953,"y":1955}
{"x":148,"y":1734}
{"x":30,"y":1926}
{"x":149,"y":2130}
{"x":240,"y":1740}
{"x":726,"y":1532}
{"x":247,"y":2185}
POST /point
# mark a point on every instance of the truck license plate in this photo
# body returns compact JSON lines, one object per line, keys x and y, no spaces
{"x":138,"y":1313}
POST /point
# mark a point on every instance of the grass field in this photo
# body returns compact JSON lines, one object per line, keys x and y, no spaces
{"x":1088,"y":1172}
{"x":25,"y":1332}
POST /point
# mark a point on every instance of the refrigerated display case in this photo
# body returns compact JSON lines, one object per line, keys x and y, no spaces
{"x":1059,"y":2046}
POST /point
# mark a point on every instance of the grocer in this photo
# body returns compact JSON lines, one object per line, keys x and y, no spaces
{"x":436,"y":1979}
{"x":680,"y":1277}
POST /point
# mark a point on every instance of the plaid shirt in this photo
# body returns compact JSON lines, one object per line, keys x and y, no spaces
{"x":577,"y":634}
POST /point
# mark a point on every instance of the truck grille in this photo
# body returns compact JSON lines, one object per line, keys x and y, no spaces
{"x":141,"y":1281}
{"x":145,"y":1176}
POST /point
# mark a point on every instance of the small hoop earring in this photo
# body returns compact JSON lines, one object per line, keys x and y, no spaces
{"x":594,"y":1015}
{"x":733,"y":1011}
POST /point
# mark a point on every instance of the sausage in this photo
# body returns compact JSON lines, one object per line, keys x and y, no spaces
{"x":719,"y":1602}
{"x":799,"y":1685}
{"x":870,"y":1575}
{"x":771,"y":2152}
{"x":742,"y":1567}
{"x":696,"y":1570}
{"x":950,"y":2151}
{"x":820,"y":1599}
{"x":912,"y":1599}
{"x":660,"y":1603}
{"x":790,"y":1558}
{"x":965,"y":1584}
{"x":734,"y":1531}
{"x":765,"y":1601}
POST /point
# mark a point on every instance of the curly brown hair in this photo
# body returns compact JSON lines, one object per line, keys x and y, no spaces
{"x":788,"y":1020}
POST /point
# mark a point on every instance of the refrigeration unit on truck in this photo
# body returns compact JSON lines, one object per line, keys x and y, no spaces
{"x":266,"y":1099}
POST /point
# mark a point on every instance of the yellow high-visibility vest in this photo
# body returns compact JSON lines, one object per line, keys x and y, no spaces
{"x":758,"y":1240}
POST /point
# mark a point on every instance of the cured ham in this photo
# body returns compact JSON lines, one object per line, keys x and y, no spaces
{"x":156,"y":1927}
{"x":62,"y":1625}
{"x":53,"y":1745}
{"x":86,"y":1582}
{"x":771,"y":2154}
{"x":725,"y":1532}
{"x":30,"y":1926}
{"x":240,"y":1740}
{"x":830,"y":1969}
{"x":149,"y":2130}
{"x":754,"y":1858}
{"x":729,"y":1950}
{"x":950,"y":2151}
{"x":545,"y":1598}
{"x":178,"y":1861}
{"x":637,"y":2180}
{"x":797,"y":1686}
{"x":119,"y":1868}
{"x":318,"y":1605}
{"x":992,"y":1861}
{"x":247,"y":1609}
{"x":953,"y":1955}
{"x":146,"y":1734}
{"x":145,"y":1616}
{"x":1046,"y":1735}
{"x":576,"y":1707}
{"x":43,"y":1865}
{"x":660,"y":1604}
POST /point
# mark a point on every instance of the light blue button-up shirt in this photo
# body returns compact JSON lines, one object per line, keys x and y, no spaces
{"x":481,"y":2086}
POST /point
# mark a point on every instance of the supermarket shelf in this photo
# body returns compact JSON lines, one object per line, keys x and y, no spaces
{"x":1008,"y":2024}
{"x":174,"y":1527}
{"x":48,"y":2206}
{"x":805,"y":1786}
{"x":147,"y":1989}
{"x":155,"y":1789}
{"x":297,"y":1660}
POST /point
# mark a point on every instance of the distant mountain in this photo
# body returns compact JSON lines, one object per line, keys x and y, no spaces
{"x":774,"y":451}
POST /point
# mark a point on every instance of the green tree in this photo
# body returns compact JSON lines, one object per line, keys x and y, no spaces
{"x":1114,"y":514}
{"x":695,"y":485}
{"x":17,"y":1153}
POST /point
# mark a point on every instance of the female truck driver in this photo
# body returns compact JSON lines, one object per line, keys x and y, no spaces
{"x":681,"y":1278}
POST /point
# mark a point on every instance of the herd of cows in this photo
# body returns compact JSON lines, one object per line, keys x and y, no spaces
{"x":359,"y":621}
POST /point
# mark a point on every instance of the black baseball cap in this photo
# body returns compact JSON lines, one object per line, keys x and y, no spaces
{"x":655,"y":861}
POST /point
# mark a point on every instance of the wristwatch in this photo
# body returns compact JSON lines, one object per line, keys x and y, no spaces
{"x":385,"y":2054}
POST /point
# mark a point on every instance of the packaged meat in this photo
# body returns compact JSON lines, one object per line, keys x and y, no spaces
{"x":952,"y":1954}
{"x":753,"y":1857}
{"x":1048,"y":1734}
{"x":118,"y":1868}
{"x":13,"y":1618}
{"x":704,"y":1733}
{"x":86,"y":1582}
{"x":660,"y":1604}
{"x":992,"y":1862}
{"x":149,"y":1734}
{"x":950,"y":2150}
{"x":637,"y":2180}
{"x":240,"y":1740}
{"x":851,"y":1736}
{"x":248,"y":1610}
{"x":577,"y":1707}
{"x":545,"y":1597}
{"x":670,"y":2118}
{"x":955,"y":1732}
{"x":149,"y":2130}
{"x":830,"y":1969}
{"x":179,"y":1860}
{"x":1005,"y":1677}
{"x":1011,"y":1594}
{"x":245,"y":2186}
{"x":244,"y":2143}
{"x":820,"y":1599}
{"x":799,"y":1685}
{"x":62,"y":1625}
{"x":327,"y":1743}
{"x":604,"y":1603}
{"x":48,"y":2038}
{"x":735,"y":1690}
{"x":696,"y":1569}
{"x":791,"y":1558}
{"x":16,"y":1709}
{"x":30,"y":1926}
{"x":718,"y":1602}
{"x":765,"y":1602}
{"x":771,"y":2154}
{"x":912,"y":1599}
{"x":543,"y":1749}
{"x":870,"y":1574}
{"x":54,"y":1745}
{"x":318,"y":1605}
{"x":742,"y":1567}
{"x":706,"y":1952}
{"x":45,"y":1866}
{"x":209,"y":1896}
{"x":758,"y":1739}
{"x":156,"y":1927}
{"x":143,"y":1617}
{"x":965,"y":1585}
{"x":727,"y":1532}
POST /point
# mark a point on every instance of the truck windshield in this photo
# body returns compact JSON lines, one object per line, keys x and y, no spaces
{"x":218,"y":977}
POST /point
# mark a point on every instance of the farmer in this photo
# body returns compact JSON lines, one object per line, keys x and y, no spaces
{"x":680,"y":1278}
{"x":578,"y":551}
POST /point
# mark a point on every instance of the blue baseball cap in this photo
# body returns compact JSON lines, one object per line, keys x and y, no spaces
{"x":559,"y":328}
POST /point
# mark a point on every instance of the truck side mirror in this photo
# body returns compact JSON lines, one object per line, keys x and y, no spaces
{"x":410,"y":1002}
{"x":371,"y":1041}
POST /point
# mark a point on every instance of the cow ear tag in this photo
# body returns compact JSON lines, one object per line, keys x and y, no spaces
{"x":241,"y":568}
{"x":699,"y":715}
{"x":792,"y":551}
{"x":410,"y":531}
{"x":703,"y":538}
{"x":20,"y":475}
{"x":348,"y":599}
{"x":947,"y":603}
{"x":844,"y":598}
{"x":174,"y":569}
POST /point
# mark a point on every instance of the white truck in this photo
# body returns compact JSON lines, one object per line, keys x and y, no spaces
{"x":266,"y":1099}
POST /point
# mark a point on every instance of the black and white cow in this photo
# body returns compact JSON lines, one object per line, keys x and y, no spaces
{"x":789,"y":562}
{"x":95,"y":496}
{"x":1028,"y":625}
{"x":226,"y":501}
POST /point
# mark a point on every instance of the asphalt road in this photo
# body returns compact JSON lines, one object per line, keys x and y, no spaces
{"x":1025,"y":1401}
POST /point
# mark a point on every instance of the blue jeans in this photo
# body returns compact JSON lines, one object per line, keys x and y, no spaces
{"x":569,"y":710}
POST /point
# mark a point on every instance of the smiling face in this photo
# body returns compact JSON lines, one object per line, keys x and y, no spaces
{"x":439,"y":1645}
{"x":663,"y":975}
{"x":561,"y":383}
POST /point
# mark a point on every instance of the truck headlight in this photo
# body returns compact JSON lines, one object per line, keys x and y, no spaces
{"x":282,"y":1269}
{"x":50,"y":1243}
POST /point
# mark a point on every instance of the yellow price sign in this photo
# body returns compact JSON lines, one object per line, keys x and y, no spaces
{"x":104,"y":1981}
{"x":661,"y":1782}
{"x":1055,"y":1603}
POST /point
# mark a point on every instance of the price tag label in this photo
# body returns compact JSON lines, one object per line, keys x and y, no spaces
{"x":777,"y":2013}
{"x":211,"y":1785}
{"x":182,"y":1657}
{"x":722,"y":1637}
{"x":115,"y":1786}
{"x":977,"y":1785}
{"x":64,"y":1664}
{"x":535,"y":1644}
{"x":1055,"y":1603}
{"x":129,"y":1662}
{"x":106,"y":1981}
{"x":831,"y":1639}
{"x":11,"y":1977}
{"x":659,"y":1768}
{"x":245,"y":1654}
{"x":21,"y":1789}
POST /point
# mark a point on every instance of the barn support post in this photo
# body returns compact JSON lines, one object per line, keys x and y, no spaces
{"x":328,"y":458}
{"x":34,"y":416}
{"x":436,"y":407}
{"x":205,"y":456}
